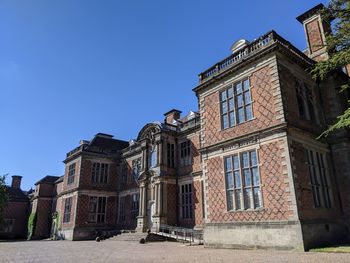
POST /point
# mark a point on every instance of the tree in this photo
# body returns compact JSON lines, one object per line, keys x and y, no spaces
{"x":338,"y":47}
{"x":3,"y":196}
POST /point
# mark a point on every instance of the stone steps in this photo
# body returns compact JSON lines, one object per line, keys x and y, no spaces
{"x":136,"y":237}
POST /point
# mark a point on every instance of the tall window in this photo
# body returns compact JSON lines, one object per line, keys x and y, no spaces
{"x":153,"y":157}
{"x":243,"y":181}
{"x":122,"y":209}
{"x":318,"y":177}
{"x":99,"y":173}
{"x":71,"y":173}
{"x":236,"y":104}
{"x":67,"y":210}
{"x":186,"y":201}
{"x":305,"y":102}
{"x":136,"y":168}
{"x":124,"y":174}
{"x":7,"y":225}
{"x":97,"y":209}
{"x":134,"y":206}
{"x":185,"y":153}
{"x":171,"y":155}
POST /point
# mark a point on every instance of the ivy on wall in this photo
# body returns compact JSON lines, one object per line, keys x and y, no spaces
{"x":31,"y":225}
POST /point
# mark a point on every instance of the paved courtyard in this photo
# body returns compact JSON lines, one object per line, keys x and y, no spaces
{"x":124,"y":251}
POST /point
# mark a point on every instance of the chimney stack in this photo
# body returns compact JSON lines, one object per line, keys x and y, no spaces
{"x":16,"y":181}
{"x":171,"y":116}
{"x":316,"y":28}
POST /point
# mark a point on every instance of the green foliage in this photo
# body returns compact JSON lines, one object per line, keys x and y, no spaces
{"x":3,"y":196}
{"x":338,"y":47}
{"x":31,"y":225}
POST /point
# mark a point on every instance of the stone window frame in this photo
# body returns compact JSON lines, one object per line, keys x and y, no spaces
{"x":306,"y":102}
{"x":186,"y":201}
{"x":97,"y":209}
{"x":99,"y":173}
{"x":319,"y":178}
{"x":236,"y":198}
{"x":229,"y":106}
{"x":67,"y":209}
{"x":71,"y":173}
{"x":185,"y":153}
{"x":135,"y":199}
{"x":171,"y":155}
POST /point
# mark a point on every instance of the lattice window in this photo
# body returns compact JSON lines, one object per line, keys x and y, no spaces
{"x":186,"y":206}
{"x":185,"y":153}
{"x":97,"y":209}
{"x":136,"y":168}
{"x":71,"y":173}
{"x":236,"y":104}
{"x":319,"y":179}
{"x":99,"y":173}
{"x":243,"y":181}
{"x":171,"y":155}
{"x":67,"y":210}
{"x":305,"y":102}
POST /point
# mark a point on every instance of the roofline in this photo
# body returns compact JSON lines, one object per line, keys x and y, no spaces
{"x":312,"y":11}
{"x":278,"y":42}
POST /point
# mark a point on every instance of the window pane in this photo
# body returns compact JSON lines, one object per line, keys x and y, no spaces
{"x":247,"y":177}
{"x":256,"y":180}
{"x":247,"y":97}
{"x":237,"y":179}
{"x":245,"y":159}
{"x":231,"y":104}
{"x":229,"y":180}
{"x":223,"y":95}
{"x":257,"y":197}
{"x":235,"y":162}
{"x":224,"y":121}
{"x":253,"y":158}
{"x":246,"y":84}
{"x":229,"y":200}
{"x":224,"y":107}
{"x":228,"y":163}
{"x":232,"y":119}
{"x":249,"y":112}
{"x":241,"y":117}
{"x":238,"y":199}
{"x":239,"y":100}
{"x":238,"y":88}
{"x":230,"y":92}
{"x":247,"y":198}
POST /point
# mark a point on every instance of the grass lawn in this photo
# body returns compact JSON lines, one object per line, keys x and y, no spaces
{"x":335,"y":249}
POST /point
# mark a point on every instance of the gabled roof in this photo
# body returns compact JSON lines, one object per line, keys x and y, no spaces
{"x":48,"y":179}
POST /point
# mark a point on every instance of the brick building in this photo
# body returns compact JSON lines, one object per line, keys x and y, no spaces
{"x":246,"y":168}
{"x":16,"y":211}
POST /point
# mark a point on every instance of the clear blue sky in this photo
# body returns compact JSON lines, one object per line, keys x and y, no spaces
{"x":71,"y":69}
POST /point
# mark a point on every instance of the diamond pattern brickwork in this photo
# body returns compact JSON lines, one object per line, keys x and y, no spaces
{"x":275,"y":189}
{"x":263,"y":108}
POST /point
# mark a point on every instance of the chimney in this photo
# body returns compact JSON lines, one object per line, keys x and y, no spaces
{"x":316,"y":28}
{"x":16,"y":181}
{"x":171,"y":116}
